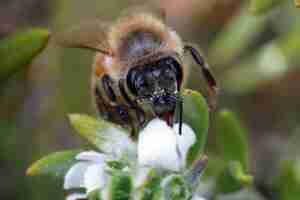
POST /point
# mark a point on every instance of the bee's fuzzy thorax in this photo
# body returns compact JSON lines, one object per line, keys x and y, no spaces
{"x":126,"y":47}
{"x":143,"y":22}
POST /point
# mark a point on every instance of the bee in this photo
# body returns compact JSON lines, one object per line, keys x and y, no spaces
{"x":138,"y":68}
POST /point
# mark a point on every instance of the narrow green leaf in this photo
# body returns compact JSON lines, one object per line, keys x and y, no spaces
{"x":268,"y":63}
{"x":106,"y":136}
{"x":262,"y":6}
{"x":232,"y":179}
{"x":289,"y":44}
{"x":120,"y":186}
{"x":271,"y":62}
{"x":288,"y":182}
{"x":236,"y":37}
{"x":196,"y":115}
{"x":214,"y":167}
{"x":55,"y":164}
{"x":231,"y":138}
{"x":18,"y":50}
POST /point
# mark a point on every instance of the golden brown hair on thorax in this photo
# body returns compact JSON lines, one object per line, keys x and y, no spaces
{"x":138,"y":35}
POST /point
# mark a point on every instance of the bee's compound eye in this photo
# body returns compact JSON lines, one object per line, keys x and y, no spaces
{"x":141,"y":83}
{"x":169,"y":75}
{"x":131,"y":79}
{"x":145,"y":83}
{"x":175,"y":67}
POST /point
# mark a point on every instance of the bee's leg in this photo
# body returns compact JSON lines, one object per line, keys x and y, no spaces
{"x":123,"y":114}
{"x":117,"y":112}
{"x":213,"y":88}
{"x":101,"y":106}
{"x":138,"y":115}
{"x":107,"y":83}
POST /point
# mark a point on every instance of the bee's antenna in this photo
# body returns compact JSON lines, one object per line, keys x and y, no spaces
{"x":179,"y":109}
{"x":180,"y":106}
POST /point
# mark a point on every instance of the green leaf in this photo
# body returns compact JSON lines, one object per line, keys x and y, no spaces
{"x":116,"y":164}
{"x":18,"y":50}
{"x":106,"y":136}
{"x":175,"y":188}
{"x":289,"y":44}
{"x":267,"y":64}
{"x":273,"y":61}
{"x":288,"y":182}
{"x":94,"y":195}
{"x":214,"y":167}
{"x":120,"y":187}
{"x":231,"y":138}
{"x":56,"y":164}
{"x":262,"y":6}
{"x":236,"y":37}
{"x":232,"y":179}
{"x":152,"y":189}
{"x":196,"y":115}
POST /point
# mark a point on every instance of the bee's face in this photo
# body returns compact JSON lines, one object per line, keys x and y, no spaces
{"x":157,"y":83}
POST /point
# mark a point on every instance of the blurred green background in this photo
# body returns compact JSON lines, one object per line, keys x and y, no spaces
{"x":252,"y":47}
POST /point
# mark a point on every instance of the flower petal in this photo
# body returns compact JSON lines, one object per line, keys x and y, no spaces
{"x":157,"y":146}
{"x":185,"y":140}
{"x":74,"y":177}
{"x":119,"y":143}
{"x":76,"y":196}
{"x":140,"y":176}
{"x":91,"y":156}
{"x":94,"y":177}
{"x":197,"y":197}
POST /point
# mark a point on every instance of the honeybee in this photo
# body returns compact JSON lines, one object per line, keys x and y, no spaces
{"x":138,"y":68}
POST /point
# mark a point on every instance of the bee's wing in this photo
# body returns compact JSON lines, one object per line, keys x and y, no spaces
{"x":89,"y":35}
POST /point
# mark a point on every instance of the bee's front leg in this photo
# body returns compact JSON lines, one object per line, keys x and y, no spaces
{"x":107,"y":85}
{"x":118,"y":112}
{"x":210,"y":79}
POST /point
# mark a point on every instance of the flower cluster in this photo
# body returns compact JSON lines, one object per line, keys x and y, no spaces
{"x":160,"y":164}
{"x":159,"y":146}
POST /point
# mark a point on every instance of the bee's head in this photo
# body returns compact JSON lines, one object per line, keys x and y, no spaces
{"x":157,"y":83}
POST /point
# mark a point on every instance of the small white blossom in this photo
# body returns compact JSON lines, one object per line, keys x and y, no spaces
{"x":160,"y":145}
{"x":88,"y":173}
{"x":120,"y":143}
{"x":140,"y":176}
{"x":197,"y":197}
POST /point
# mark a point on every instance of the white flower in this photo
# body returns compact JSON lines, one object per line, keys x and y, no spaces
{"x":119,"y":143}
{"x":88,"y":173}
{"x":76,"y":196}
{"x":197,"y":197}
{"x":160,"y":145}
